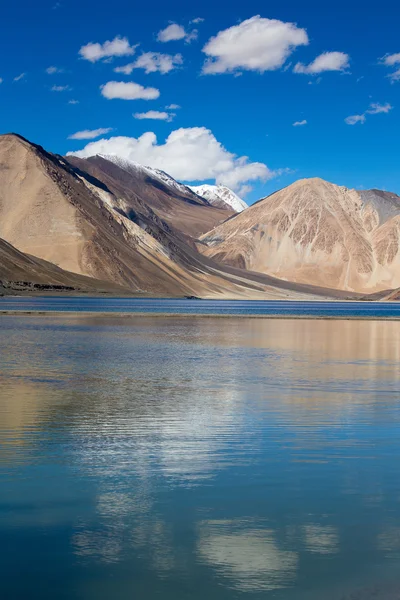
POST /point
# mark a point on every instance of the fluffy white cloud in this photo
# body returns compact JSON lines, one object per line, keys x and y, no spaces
{"x":60,"y":88}
{"x":153,"y":62}
{"x":19,"y":77}
{"x":354,"y":119}
{"x":176,"y":32}
{"x":300,"y":123}
{"x":257,"y":44}
{"x":328,"y":61}
{"x":90,"y":134}
{"x":119,"y":46}
{"x":192,"y":154}
{"x":197,"y":21}
{"x":173,"y":107}
{"x":128,"y":91}
{"x":375,"y":108}
{"x":156,"y":115}
{"x":73,"y":101}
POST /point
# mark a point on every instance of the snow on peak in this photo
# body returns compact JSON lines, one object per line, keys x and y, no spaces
{"x":130,"y":165}
{"x":217,"y":194}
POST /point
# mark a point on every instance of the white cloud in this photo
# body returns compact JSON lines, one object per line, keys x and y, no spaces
{"x":173,"y":107}
{"x":60,"y":88}
{"x":176,"y":32}
{"x":192,"y":154}
{"x":153,"y":62}
{"x":354,"y":119}
{"x":197,"y":21}
{"x":128,"y":91}
{"x":395,"y":76}
{"x":244,"y":190}
{"x":257,"y":44}
{"x":73,"y":101}
{"x":155,"y":114}
{"x":390,"y":60}
{"x":328,"y":61}
{"x":54,"y":70}
{"x":19,"y":77}
{"x":119,"y":46}
{"x":90,"y":134}
{"x":300,"y":123}
{"x":1,"y":80}
{"x":375,"y":108}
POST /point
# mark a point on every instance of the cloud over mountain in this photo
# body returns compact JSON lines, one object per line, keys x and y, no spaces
{"x":191,"y":154}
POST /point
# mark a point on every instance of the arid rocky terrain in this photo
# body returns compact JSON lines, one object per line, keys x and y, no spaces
{"x":318,"y":233}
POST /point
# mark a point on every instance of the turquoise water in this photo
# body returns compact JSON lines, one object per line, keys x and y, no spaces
{"x":199,"y":458}
{"x":202,"y":307}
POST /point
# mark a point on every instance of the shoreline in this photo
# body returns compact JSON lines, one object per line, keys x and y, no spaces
{"x":131,"y":315}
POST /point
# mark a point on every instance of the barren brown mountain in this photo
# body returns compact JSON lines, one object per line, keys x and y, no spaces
{"x":22,"y":272}
{"x":317,"y":233}
{"x":53,"y":209}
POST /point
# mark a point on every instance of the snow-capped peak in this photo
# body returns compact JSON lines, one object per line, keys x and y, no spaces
{"x":217,"y":194}
{"x":130,"y":165}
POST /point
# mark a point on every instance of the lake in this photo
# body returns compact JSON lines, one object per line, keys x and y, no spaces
{"x":388,"y":310}
{"x":191,"y":458}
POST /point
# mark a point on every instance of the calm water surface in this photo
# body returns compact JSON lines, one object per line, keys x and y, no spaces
{"x":202,"y":307}
{"x":199,"y":458}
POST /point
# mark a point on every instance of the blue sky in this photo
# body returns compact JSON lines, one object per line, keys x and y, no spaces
{"x":243,"y":103}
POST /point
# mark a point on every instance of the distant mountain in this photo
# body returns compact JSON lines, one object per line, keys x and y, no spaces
{"x":316,"y":233}
{"x":221,"y":196}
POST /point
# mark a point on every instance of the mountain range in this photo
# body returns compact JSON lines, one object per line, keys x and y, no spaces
{"x":104,"y":224}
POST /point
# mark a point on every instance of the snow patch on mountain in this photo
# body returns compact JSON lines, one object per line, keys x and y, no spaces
{"x":132,"y":166}
{"x":217,"y":195}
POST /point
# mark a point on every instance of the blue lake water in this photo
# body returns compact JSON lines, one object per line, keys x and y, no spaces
{"x":202,"y":307}
{"x":198,"y":458}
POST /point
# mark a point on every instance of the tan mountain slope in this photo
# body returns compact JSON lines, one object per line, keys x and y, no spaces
{"x":65,"y":216}
{"x":22,"y":272}
{"x":317,"y":233}
{"x":176,"y":204}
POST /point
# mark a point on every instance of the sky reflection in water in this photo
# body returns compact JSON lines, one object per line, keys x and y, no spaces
{"x":199,"y":458}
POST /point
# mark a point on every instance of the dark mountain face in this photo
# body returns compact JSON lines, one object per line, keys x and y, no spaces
{"x":176,"y":205}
